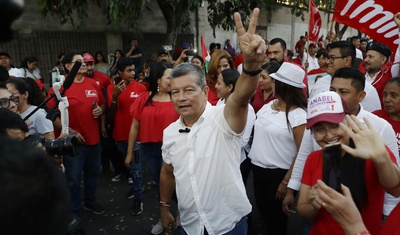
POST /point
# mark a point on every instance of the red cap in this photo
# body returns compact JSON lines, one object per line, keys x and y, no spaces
{"x":87,"y":57}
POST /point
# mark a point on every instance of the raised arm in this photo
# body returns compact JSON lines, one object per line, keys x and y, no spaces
{"x":253,"y":49}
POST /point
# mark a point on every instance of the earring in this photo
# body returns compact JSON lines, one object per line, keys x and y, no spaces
{"x":158,"y":88}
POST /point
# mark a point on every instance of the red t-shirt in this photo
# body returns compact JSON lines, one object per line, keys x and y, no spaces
{"x":371,"y":214}
{"x":259,"y":101}
{"x":153,"y":118}
{"x":101,"y":79}
{"x":122,"y":116}
{"x":81,"y":96}
{"x":395,"y":124}
{"x":392,"y":225}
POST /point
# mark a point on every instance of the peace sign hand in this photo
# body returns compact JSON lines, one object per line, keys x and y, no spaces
{"x":252,"y":46}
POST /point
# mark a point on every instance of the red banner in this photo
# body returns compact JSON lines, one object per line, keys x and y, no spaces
{"x":315,"y":22}
{"x":374,"y":18}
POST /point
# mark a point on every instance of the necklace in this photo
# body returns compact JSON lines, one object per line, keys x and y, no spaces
{"x":277,"y":108}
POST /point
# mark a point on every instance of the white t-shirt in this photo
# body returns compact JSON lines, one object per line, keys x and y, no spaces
{"x":370,"y":103}
{"x":312,"y":62}
{"x":37,"y":123}
{"x":206,"y":163}
{"x":274,"y":145}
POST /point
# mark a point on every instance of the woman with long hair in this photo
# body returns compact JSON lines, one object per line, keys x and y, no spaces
{"x":101,"y":64}
{"x":117,"y":54}
{"x":220,"y":60}
{"x":152,"y":112}
{"x":30,"y":97}
{"x":278,"y":132}
{"x":29,"y":68}
{"x":264,"y":91}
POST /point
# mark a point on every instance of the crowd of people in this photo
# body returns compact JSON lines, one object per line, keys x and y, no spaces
{"x":201,"y":134}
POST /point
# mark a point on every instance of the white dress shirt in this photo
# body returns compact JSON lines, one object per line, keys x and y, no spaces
{"x":206,"y":166}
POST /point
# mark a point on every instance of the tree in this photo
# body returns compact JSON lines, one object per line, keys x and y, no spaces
{"x":175,"y":12}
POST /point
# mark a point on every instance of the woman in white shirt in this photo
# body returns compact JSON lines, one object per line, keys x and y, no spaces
{"x":278,"y":131}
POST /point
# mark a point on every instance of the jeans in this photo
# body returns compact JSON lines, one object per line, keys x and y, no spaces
{"x":87,"y":158}
{"x":239,"y":229}
{"x":153,"y":156}
{"x":136,"y":166}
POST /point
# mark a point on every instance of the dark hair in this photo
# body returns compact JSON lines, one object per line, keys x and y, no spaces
{"x":196,"y":56}
{"x":156,"y":72}
{"x":392,"y":80}
{"x":59,"y":56}
{"x":212,"y":46}
{"x":278,"y":40}
{"x":357,"y":78}
{"x":29,"y":85}
{"x":271,"y":67}
{"x":292,"y":96}
{"x":4,"y":76}
{"x":230,"y":77}
{"x":34,"y":194}
{"x":28,"y":59}
{"x":322,"y":53}
{"x":124,"y":62}
{"x":99,"y":53}
{"x":11,"y":120}
{"x":352,"y":170}
{"x":68,"y":57}
{"x":346,"y":49}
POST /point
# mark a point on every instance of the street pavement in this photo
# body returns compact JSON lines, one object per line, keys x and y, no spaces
{"x":118,"y":220}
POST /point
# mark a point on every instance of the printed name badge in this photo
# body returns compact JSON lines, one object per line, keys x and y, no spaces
{"x":91,"y":93}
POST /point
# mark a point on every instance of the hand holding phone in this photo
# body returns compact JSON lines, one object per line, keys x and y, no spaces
{"x":117,"y":80}
{"x":331,"y":173}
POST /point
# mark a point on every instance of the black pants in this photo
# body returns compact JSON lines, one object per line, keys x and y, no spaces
{"x":266,"y":183}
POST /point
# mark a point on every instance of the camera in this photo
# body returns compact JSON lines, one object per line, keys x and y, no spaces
{"x":60,"y":146}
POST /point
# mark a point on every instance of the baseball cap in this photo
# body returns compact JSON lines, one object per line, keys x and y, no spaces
{"x":326,"y":106}
{"x":290,"y":74}
{"x":87,"y":57}
{"x":379,"y":47}
{"x":160,"y":52}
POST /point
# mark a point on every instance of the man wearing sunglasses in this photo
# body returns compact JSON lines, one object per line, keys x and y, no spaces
{"x":7,"y":100}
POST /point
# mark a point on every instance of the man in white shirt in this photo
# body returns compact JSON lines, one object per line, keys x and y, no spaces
{"x":201,"y":150}
{"x":308,"y":59}
{"x":342,"y":55}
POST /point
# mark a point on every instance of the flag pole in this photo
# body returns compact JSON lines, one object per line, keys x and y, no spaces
{"x":309,"y":33}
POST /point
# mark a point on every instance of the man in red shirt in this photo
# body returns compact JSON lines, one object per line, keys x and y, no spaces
{"x":120,"y":98}
{"x":100,"y":78}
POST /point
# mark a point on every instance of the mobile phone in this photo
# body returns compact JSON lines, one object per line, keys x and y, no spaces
{"x":94,"y":104}
{"x":189,"y":52}
{"x":117,"y":80}
{"x":331,"y":174}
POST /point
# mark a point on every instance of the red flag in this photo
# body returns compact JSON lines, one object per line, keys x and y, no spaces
{"x":204,"y":52}
{"x":315,"y":22}
{"x":374,"y":18}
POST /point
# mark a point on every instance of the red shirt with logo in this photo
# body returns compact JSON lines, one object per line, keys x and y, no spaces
{"x":101,"y":79}
{"x":122,"y":117}
{"x":81,"y":96}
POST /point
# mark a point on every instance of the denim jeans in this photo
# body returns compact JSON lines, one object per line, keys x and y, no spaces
{"x":136,"y":166}
{"x":239,"y":229}
{"x":153,"y":156}
{"x":87,"y":158}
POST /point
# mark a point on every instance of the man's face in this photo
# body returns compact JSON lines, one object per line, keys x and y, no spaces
{"x":89,"y":69}
{"x":356,"y":42}
{"x":349,"y":94}
{"x":134,"y":42}
{"x":374,"y":61}
{"x":5,"y":61}
{"x":312,"y":50}
{"x":335,"y":61}
{"x":188,"y":98}
{"x":128,"y":74}
{"x":162,"y":57}
{"x":7,"y":97}
{"x":276,"y":53}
